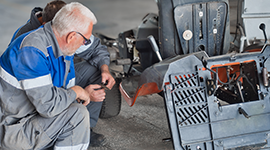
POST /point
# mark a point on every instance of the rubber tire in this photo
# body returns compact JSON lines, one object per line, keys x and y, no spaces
{"x":112,"y":104}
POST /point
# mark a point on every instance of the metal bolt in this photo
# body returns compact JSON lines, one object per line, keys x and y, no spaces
{"x":215,"y":31}
{"x":200,"y":13}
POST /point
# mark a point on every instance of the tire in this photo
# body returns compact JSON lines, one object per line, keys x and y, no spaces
{"x":112,"y":104}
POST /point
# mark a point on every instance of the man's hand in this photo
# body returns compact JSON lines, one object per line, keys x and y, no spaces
{"x":95,"y":92}
{"x":82,"y":95}
{"x":106,"y":76}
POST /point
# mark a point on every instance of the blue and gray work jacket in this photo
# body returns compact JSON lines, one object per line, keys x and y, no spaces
{"x":35,"y":78}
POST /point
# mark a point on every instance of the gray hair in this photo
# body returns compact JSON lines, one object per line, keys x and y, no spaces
{"x":67,"y":19}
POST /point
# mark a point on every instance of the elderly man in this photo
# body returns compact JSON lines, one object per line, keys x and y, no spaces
{"x":93,"y":70}
{"x":38,"y":93}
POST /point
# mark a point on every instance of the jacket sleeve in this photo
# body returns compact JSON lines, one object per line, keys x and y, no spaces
{"x":96,"y":53}
{"x":49,"y":100}
{"x":31,"y":68}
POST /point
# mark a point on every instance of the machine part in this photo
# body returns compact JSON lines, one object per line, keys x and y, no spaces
{"x":105,"y":40}
{"x":187,"y":35}
{"x":262,"y":27}
{"x":206,"y":21}
{"x":130,"y":44}
{"x":237,"y":81}
{"x":136,"y":57}
{"x":250,"y":81}
{"x":154,"y":46}
{"x":242,"y":39}
{"x":114,"y":54}
{"x":240,"y":92}
{"x":148,"y":26}
{"x":243,"y":112}
{"x":123,"y":45}
{"x":151,"y":79}
{"x":126,"y":61}
{"x":103,"y":86}
{"x":111,"y":105}
{"x":147,"y":55}
{"x":211,"y":86}
{"x":228,"y":95}
{"x":190,"y":108}
{"x":130,"y":89}
{"x":265,"y":77}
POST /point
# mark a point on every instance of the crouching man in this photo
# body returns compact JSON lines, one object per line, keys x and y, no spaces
{"x":40,"y":106}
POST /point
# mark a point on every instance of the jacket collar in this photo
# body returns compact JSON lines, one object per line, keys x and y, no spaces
{"x":52,"y":40}
{"x":33,"y":18}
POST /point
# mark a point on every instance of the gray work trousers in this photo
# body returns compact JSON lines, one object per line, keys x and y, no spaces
{"x":75,"y":133}
{"x":68,"y":130}
{"x":87,"y":74}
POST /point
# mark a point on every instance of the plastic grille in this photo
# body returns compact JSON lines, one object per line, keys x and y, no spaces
{"x":189,"y":99}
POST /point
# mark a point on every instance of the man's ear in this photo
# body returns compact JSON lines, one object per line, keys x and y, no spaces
{"x":70,"y":37}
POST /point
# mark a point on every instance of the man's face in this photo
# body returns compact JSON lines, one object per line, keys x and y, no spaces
{"x":78,"y":41}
